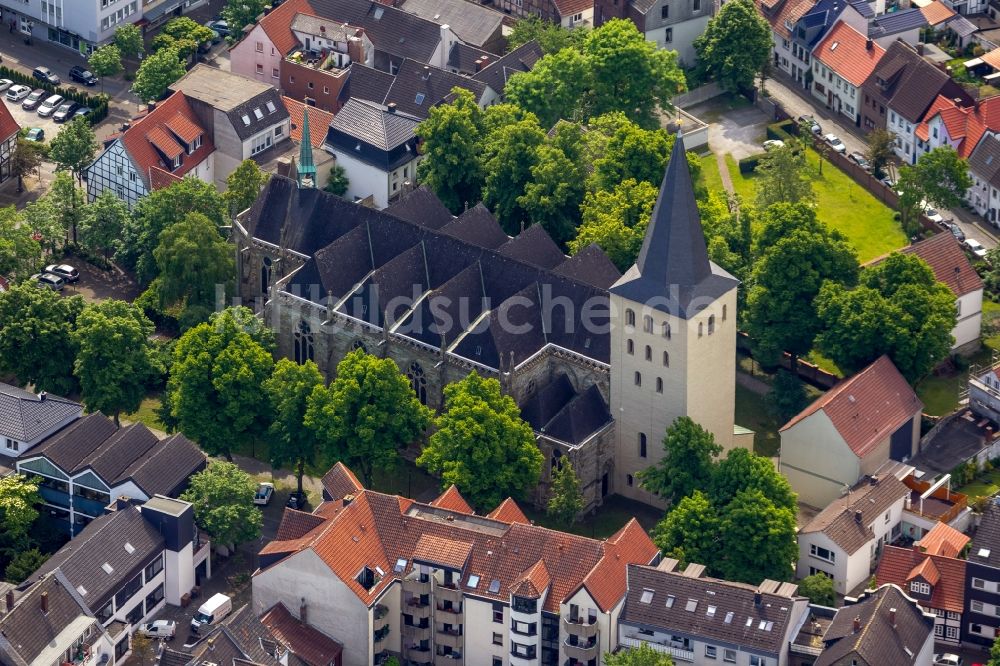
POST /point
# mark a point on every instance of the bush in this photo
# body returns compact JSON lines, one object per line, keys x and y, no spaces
{"x":23,"y":565}
{"x":786,"y":130}
{"x":749,"y":164}
{"x":818,"y":588}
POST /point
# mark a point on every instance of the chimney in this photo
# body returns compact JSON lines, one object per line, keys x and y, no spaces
{"x":857,"y":623}
{"x":892,"y":617}
{"x":211,"y":642}
{"x":857,"y":517}
{"x":42,"y":396}
{"x":392,"y":107}
{"x":869,"y":44}
{"x":322,"y":29}
{"x":873,"y":481}
{"x":482,"y":62}
{"x":10,"y":600}
{"x":757,"y":599}
{"x":303,"y":612}
{"x":44,"y":601}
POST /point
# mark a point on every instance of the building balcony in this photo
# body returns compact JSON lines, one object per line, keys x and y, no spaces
{"x":448,"y":593}
{"x":674,"y":651}
{"x":580,"y":627}
{"x":54,"y":497}
{"x":380,"y":635}
{"x":453,"y":611}
{"x":450,"y":638}
{"x":380,"y":616}
{"x":416,"y":609}
{"x":448,"y":659}
{"x":333,"y":62}
{"x":417,"y":654}
{"x":414,"y":634}
{"x":415,"y":587}
{"x":582,"y":651}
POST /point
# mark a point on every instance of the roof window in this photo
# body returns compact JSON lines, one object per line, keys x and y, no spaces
{"x":258,"y":114}
{"x":729,"y":618}
{"x":419,"y":99}
{"x":368,"y":578}
{"x":984,"y":552}
{"x":270,"y":107}
{"x":246,"y":120}
{"x":647,"y":596}
{"x":82,"y":590}
{"x":400,"y":565}
{"x":691,"y":605}
{"x":473,"y":582}
{"x":129,"y":548}
{"x":670,"y":600}
{"x":378,"y":13}
{"x":749,"y":621}
{"x":494,"y":586}
{"x":710,"y":612}
{"x":108,"y":569}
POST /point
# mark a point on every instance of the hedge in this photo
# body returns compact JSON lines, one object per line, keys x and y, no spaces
{"x":99,"y":103}
{"x":783,"y":131}
{"x":749,"y":164}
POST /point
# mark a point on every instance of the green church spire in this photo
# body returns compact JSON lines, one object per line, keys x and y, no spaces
{"x":306,"y":166}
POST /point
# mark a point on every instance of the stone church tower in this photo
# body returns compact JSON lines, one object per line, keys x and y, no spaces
{"x":673,"y":335}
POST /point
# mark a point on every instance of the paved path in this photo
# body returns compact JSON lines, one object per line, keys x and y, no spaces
{"x":751,"y":383}
{"x":724,"y":175}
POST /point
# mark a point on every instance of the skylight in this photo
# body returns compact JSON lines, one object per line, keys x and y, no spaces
{"x":749,"y":621}
{"x":833,"y":47}
{"x":82,"y":590}
{"x":710,"y":612}
{"x":258,"y":113}
{"x":419,"y":99}
{"x":473,"y":582}
{"x":400,"y":565}
{"x":108,"y":569}
{"x":378,"y":13}
{"x":494,"y":586}
{"x":270,"y":107}
{"x":691,"y":605}
{"x":129,"y":548}
{"x":246,"y":120}
{"x":379,"y":571}
{"x":647,"y":596}
{"x":729,"y":618}
{"x":984,"y":552}
{"x":670,"y":600}
{"x":763,"y":623}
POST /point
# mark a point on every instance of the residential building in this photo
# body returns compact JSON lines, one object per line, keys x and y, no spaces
{"x":943,"y":539}
{"x":882,"y":626}
{"x":385,"y":574}
{"x":849,"y":432}
{"x":28,"y":418}
{"x":567,"y":13}
{"x":497,"y":71}
{"x":670,"y":24}
{"x":127,"y":564}
{"x":949,"y":123}
{"x":239,"y":639}
{"x":306,"y":643}
{"x":843,"y":540}
{"x":414,"y":89}
{"x":899,"y":92}
{"x":157,"y":12}
{"x":984,"y":392}
{"x":245,"y":117}
{"x":841,"y":63}
{"x":705,"y":621}
{"x":902,"y":25}
{"x":984,"y":168}
{"x":936,"y":582}
{"x":87,"y":464}
{"x":377,"y":147}
{"x":982,"y":581}
{"x":317,"y":72}
{"x":158,"y":149}
{"x":79,"y":25}
{"x":47,"y":622}
{"x":951,"y":267}
{"x":477,"y":25}
{"x":8,"y":141}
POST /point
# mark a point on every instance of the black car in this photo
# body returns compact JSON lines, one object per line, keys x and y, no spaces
{"x":45,"y":74}
{"x":82,"y":75}
{"x":296,"y":500}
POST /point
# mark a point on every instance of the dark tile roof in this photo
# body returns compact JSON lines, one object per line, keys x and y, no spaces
{"x":393,"y":31}
{"x":909,"y":84}
{"x":26,"y":416}
{"x":986,"y":543}
{"x":239,"y":639}
{"x":477,"y":226}
{"x":592,"y":266}
{"x":166,"y":467}
{"x":68,"y":447}
{"x":985,"y":159}
{"x":310,"y":645}
{"x":558,"y":411}
{"x":26,"y":631}
{"x":897,"y":22}
{"x":521,"y":59}
{"x":878,"y":643}
{"x":472,"y":23}
{"x":534,"y":246}
{"x":103,"y":543}
{"x":723,"y":612}
{"x":373,"y":124}
{"x":838,"y":520}
{"x":415,"y":88}
{"x":368,"y":83}
{"x":673,"y":272}
{"x":421,"y":206}
{"x":468,"y":59}
{"x":255,"y":115}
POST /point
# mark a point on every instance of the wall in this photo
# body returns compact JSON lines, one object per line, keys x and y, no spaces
{"x":697,"y":96}
{"x":364,"y":179}
{"x":255,"y":57}
{"x":838,"y":569}
{"x":834,"y":92}
{"x":816,"y":460}
{"x":228,"y":147}
{"x":103,"y":174}
{"x":326,"y":85}
{"x":479,"y":629}
{"x":970,"y":319}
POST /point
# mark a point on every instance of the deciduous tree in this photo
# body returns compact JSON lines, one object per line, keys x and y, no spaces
{"x":69,"y":201}
{"x":288,"y":389}
{"x":481,"y":444}
{"x":23,"y":565}
{"x":690,"y":530}
{"x":36,"y":342}
{"x":114,"y":361}
{"x":103,"y":223}
{"x":881,"y":144}
{"x":742,"y":470}
{"x":788,"y":395}
{"x":241,"y":13}
{"x":943,"y":177}
{"x":735,"y":47}
{"x":128,"y":39}
{"x":243,"y":185}
{"x":222,"y":495}
{"x":552,"y":37}
{"x":337,"y":181}
{"x":633,"y":152}
{"x":689,"y":452}
{"x":25,"y":161}
{"x":367,"y":414}
{"x":554,"y":192}
{"x":156,"y":73}
{"x":183,"y":34}
{"x":644,"y":655}
{"x":19,"y":501}
{"x":616,"y":221}
{"x":553,"y":89}
{"x":757,"y":540}
{"x":565,"y":499}
{"x":509,"y":154}
{"x":818,"y":588}
{"x":20,"y":252}
{"x":782,"y":177}
{"x":106,"y":61}
{"x":452,"y":136}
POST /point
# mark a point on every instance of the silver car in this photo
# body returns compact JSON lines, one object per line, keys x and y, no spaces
{"x":49,"y":106}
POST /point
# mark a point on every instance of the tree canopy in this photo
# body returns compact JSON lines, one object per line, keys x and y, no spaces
{"x":451,"y":138}
{"x":19,"y":500}
{"x":103,"y":223}
{"x":616,"y":221}
{"x":128,"y":39}
{"x":551,"y":37}
{"x":20,"y":253}
{"x":688,"y":462}
{"x":243,"y":185}
{"x":183,"y":34}
{"x":241,"y":13}
{"x":481,"y":444}
{"x":289,"y":388}
{"x":565,"y":499}
{"x":106,"y":61}
{"x":690,"y":531}
{"x":782,"y":177}
{"x":509,"y":154}
{"x":156,"y":73}
{"x":644,"y":655}
{"x":757,"y":539}
{"x":735,"y":47}
{"x":818,"y":588}
{"x":367,"y":414}
{"x":222,"y":495}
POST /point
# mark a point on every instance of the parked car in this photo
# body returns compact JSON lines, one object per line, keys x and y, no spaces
{"x":889,"y":181}
{"x":64,"y":112}
{"x":35,"y":134}
{"x":835,"y":143}
{"x":806,"y":119}
{"x":46,"y":74}
{"x":82,"y":75}
{"x":211,"y":612}
{"x":16,"y":93}
{"x":947,"y":659}
{"x":165,"y":629}
{"x":216,"y":37}
{"x":82,"y":111}
{"x":860,"y":160}
{"x":956,"y":231}
{"x":48,"y":281}
{"x":264,"y":492}
{"x":932,"y":214}
{"x":5,"y":83}
{"x":65,"y":271}
{"x":220,"y":27}
{"x":296,"y":500}
{"x":975,"y":247}
{"x":32,"y":101}
{"x":49,"y":106}
{"x":771,"y":144}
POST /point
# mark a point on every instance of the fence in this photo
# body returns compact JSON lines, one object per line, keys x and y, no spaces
{"x":697,"y":96}
{"x":806,"y":371}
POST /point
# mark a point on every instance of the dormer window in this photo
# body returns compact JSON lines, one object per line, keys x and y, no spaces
{"x":920,"y":587}
{"x":194,"y":145}
{"x":177,"y":161}
{"x":525,"y":605}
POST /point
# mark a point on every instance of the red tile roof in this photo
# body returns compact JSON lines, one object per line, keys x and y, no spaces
{"x":378,"y":530}
{"x":965,"y":125}
{"x":8,"y":126}
{"x":319,"y":121}
{"x":184,"y":127}
{"x":936,"y":12}
{"x":992,"y":58}
{"x":868,"y":407}
{"x":308,"y":644}
{"x":439,"y":550}
{"x":509,"y":512}
{"x":949,"y":262}
{"x":452,"y":500}
{"x":160,"y":178}
{"x":900,"y":565}
{"x":296,"y":524}
{"x":570,"y":7}
{"x":849,"y":53}
{"x":788,"y":15}
{"x":151,"y":132}
{"x":943,"y":539}
{"x":278,"y":24}
{"x":533,"y":583}
{"x":340,"y":482}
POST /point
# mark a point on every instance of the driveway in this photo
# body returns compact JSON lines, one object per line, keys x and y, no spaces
{"x":96,"y":284}
{"x":736,"y":131}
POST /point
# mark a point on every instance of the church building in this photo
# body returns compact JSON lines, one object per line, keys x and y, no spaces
{"x":600,"y":363}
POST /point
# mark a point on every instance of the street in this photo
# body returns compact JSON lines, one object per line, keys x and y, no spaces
{"x":797,"y":101}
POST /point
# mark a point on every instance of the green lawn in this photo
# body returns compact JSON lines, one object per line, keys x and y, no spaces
{"x":752,"y":412}
{"x":841,"y":203}
{"x":615,"y":512}
{"x":823,"y":363}
{"x":710,"y":177}
{"x":985,"y":486}
{"x":147,"y":413}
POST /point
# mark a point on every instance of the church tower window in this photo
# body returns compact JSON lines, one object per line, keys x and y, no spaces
{"x":630,"y":346}
{"x":556,"y":460}
{"x":418,"y":381}
{"x":629,"y":317}
{"x":711,"y":324}
{"x":649,"y":353}
{"x":265,"y":275}
{"x":666,"y":330}
{"x":303,"y":343}
{"x":647,"y":324}
{"x":666,"y":359}
{"x":638,"y":379}
{"x":642,"y":445}
{"x":723,"y":313}
{"x":701,"y":329}
{"x":659,"y":385}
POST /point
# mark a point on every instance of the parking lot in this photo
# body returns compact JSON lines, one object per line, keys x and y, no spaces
{"x":29,"y":119}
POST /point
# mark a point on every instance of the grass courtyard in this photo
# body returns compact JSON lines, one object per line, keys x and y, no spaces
{"x":841,"y":204}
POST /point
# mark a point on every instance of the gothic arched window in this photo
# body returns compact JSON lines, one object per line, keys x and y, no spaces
{"x":265,"y":275}
{"x":629,"y":346}
{"x":659,"y":385}
{"x":649,"y":353}
{"x":642,"y":445}
{"x":666,"y":330}
{"x":647,"y":324}
{"x":359,"y":344}
{"x":417,"y":380}
{"x":556,"y":460}
{"x":666,"y":360}
{"x":304,"y":343}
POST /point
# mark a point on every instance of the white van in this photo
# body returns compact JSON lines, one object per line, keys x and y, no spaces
{"x":212,"y":611}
